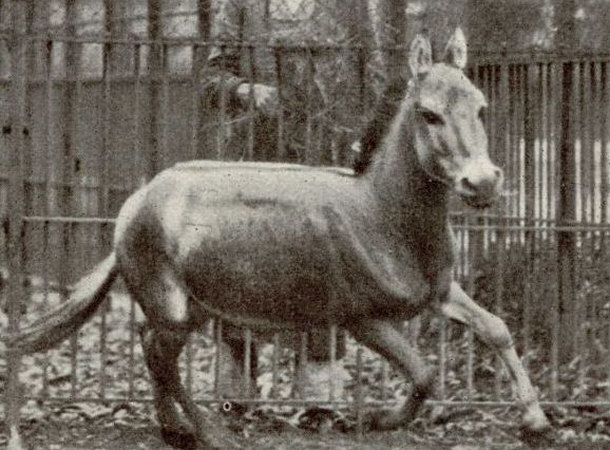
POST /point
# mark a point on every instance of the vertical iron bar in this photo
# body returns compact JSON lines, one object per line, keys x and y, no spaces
{"x":138,"y":157}
{"x":195,"y":117}
{"x":69,"y":160}
{"x":103,"y":181}
{"x":384,"y":379}
{"x":498,"y":309}
{"x":302,"y":364}
{"x":604,"y":128}
{"x":491,"y":111}
{"x":504,"y":116}
{"x":529,"y":134}
{"x":45,"y":274}
{"x":332,"y":356}
{"x":593,"y":122}
{"x":139,"y":177}
{"x":539,"y":136}
{"x":514,"y":146}
{"x":164,"y":154}
{"x":582,"y":166}
{"x":218,"y":340}
{"x":155,"y":69}
{"x":545,"y":146}
{"x":604,"y":86}
{"x":248,"y":362}
{"x":566,"y":213}
{"x":189,"y":364}
{"x":359,"y":395}
{"x":15,"y":210}
{"x":103,"y":347}
{"x":48,"y":190}
{"x":75,"y":167}
{"x":607,"y":336}
{"x":523,"y":167}
{"x":281,"y":149}
{"x":274,"y":365}
{"x":309,"y":69}
{"x":194,"y":123}
{"x":222,"y":109}
{"x":443,"y":360}
{"x":72,"y":226}
{"x":508,"y":169}
{"x":555,"y":331}
{"x":362,"y":59}
{"x":132,"y":349}
{"x":472,"y":253}
{"x":251,"y":104}
{"x":547,"y":100}
{"x":551,"y":147}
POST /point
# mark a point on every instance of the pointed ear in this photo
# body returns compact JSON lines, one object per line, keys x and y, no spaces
{"x":420,"y":56}
{"x":456,"y":50}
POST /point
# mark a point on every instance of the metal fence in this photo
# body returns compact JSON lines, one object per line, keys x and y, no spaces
{"x":77,"y":144}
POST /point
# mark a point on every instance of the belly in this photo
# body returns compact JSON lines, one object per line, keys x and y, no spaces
{"x":283,"y":283}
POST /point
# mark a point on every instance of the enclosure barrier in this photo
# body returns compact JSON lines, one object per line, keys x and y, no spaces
{"x":79,"y":144}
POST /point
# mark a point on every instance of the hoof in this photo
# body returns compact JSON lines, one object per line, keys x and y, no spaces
{"x":388,"y":419}
{"x":379,"y":420}
{"x":179,"y":438}
{"x":536,"y":431}
{"x":537,"y":438}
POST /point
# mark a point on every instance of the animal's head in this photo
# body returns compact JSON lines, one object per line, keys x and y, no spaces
{"x":450,"y":139}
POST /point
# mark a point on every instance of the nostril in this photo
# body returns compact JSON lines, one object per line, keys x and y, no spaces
{"x":498,"y":173}
{"x":468,"y":185}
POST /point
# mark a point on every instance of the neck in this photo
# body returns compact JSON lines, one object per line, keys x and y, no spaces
{"x":412,"y":202}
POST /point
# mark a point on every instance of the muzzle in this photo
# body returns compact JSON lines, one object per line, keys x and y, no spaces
{"x":479,"y":183}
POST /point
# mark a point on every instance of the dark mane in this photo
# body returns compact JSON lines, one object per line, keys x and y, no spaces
{"x":377,"y":127}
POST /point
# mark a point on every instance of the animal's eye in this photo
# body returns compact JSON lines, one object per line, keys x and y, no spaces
{"x":430,"y":117}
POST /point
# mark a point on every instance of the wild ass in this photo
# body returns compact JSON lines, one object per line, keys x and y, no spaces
{"x":270,"y":246}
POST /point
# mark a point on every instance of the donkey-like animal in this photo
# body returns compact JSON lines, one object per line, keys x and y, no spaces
{"x":271,"y":246}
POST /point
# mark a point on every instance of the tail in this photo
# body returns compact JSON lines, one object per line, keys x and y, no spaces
{"x":55,"y":326}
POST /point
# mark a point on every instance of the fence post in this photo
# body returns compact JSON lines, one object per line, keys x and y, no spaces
{"x":566,"y":206}
{"x":529,"y":135}
{"x":394,"y":14}
{"x":200,"y":56}
{"x":155,"y":67}
{"x":566,"y":210}
{"x":16,"y":197}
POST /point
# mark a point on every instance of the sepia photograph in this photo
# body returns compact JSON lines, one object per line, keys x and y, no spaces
{"x":304,"y":224}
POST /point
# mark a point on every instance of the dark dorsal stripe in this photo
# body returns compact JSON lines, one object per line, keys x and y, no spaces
{"x":376,"y":129}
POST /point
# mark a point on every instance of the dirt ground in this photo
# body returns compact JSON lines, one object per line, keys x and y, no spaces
{"x":107,"y":435}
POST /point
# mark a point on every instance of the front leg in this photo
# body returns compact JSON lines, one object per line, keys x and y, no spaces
{"x":492,"y":329}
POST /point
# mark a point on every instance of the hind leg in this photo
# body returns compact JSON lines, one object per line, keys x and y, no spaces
{"x":161,"y":352}
{"x":171,"y":315}
{"x":385,"y":339}
{"x":163,"y":349}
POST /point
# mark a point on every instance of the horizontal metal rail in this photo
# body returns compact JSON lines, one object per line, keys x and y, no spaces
{"x":482,"y":56}
{"x":576,"y":227}
{"x":337,"y":403}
